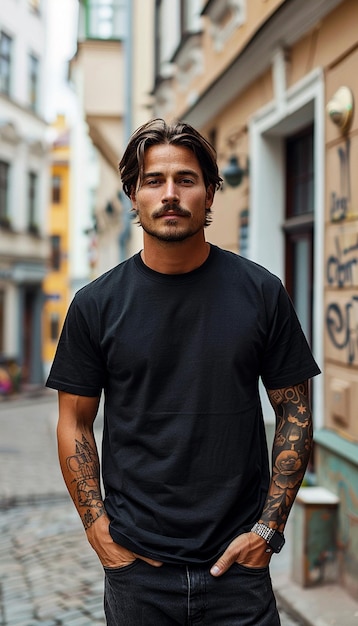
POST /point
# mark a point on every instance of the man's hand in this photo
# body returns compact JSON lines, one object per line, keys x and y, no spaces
{"x":248,"y":549}
{"x":111,"y":554}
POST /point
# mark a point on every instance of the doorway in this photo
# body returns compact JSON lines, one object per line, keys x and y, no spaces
{"x":298,"y":225}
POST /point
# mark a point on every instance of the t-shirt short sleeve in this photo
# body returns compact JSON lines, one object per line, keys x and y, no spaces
{"x":287,"y":358}
{"x":78,"y":366}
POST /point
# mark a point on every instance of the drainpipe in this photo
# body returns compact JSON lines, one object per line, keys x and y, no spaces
{"x":124,"y":235}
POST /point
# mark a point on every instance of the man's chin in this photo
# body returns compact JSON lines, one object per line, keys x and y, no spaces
{"x":171,"y":237}
{"x":169,"y":234}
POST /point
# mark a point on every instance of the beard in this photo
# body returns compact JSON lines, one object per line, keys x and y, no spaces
{"x":173,"y":230}
{"x":171,"y":234}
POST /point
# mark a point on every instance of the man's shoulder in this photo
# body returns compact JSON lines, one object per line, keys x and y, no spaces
{"x":245,"y":266}
{"x":107,"y":282}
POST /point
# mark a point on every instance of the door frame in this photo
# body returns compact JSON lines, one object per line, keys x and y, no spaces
{"x":292,"y":109}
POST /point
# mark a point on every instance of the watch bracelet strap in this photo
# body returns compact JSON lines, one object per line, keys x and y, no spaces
{"x":263,"y":531}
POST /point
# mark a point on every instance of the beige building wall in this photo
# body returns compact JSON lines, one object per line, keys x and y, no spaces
{"x":341,"y":255}
{"x":248,"y":93}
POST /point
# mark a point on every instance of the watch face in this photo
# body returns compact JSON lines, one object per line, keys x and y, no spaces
{"x":277,"y":542}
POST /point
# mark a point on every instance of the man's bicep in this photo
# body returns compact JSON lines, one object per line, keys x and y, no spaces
{"x":294,"y":395}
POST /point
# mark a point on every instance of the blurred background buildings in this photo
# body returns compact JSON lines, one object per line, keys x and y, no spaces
{"x":272,"y":84}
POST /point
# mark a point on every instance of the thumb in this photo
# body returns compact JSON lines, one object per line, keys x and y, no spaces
{"x":222,"y":564}
{"x":152,"y":562}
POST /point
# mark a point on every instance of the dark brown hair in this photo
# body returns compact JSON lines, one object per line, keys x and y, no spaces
{"x":157,"y":131}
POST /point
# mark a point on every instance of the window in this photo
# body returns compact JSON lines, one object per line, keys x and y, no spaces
{"x":299,"y":224}
{"x":106,"y":19}
{"x":32,"y":201}
{"x":34,"y":66}
{"x":54,"y":326}
{"x":56,"y":189}
{"x":55,"y":252}
{"x":178,"y":42}
{"x":5,"y":63}
{"x":4,"y":193}
{"x":300,"y":174}
{"x":167,"y":37}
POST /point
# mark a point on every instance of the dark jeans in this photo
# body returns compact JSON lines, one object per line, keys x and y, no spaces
{"x":142,"y":595}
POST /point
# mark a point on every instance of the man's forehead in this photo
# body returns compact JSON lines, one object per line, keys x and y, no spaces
{"x":162,"y":156}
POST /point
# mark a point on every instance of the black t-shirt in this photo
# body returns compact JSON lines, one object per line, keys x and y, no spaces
{"x":179,"y":357}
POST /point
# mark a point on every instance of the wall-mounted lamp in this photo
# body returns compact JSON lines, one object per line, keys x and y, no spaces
{"x":109,"y":208}
{"x":233,"y":172}
{"x":340,"y":109}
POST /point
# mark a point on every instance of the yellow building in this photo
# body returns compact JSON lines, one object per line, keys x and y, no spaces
{"x":56,"y":285}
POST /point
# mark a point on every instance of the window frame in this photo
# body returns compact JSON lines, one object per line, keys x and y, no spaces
{"x":56,"y":190}
{"x":5,"y":62}
{"x":4,"y":192}
{"x":94,"y":22}
{"x":55,"y":258}
{"x":32,"y":197}
{"x":298,"y":226}
{"x":34,"y":81}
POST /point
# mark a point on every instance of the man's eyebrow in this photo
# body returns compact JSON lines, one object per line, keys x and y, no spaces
{"x":178,"y":173}
{"x":150,"y":174}
{"x":188,"y":173}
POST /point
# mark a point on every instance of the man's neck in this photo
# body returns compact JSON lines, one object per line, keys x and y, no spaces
{"x":177,"y":257}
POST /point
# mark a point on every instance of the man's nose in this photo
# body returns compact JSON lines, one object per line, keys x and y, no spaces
{"x":170,"y":192}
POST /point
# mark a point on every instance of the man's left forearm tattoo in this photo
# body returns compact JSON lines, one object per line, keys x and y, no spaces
{"x":84,"y":466}
{"x":291,"y":450}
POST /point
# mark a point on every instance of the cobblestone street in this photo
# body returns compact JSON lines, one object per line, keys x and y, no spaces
{"x":49,"y":574}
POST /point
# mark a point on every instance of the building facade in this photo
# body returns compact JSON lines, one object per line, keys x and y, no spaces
{"x":23,"y":184}
{"x":56,"y":285}
{"x":73,"y":240}
{"x":272,"y":83}
{"x":112,"y":73}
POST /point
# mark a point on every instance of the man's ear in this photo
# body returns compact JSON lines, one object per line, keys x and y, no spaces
{"x":210,"y":193}
{"x":133,"y":197}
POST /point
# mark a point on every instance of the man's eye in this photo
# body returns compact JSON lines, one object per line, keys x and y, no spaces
{"x":187,"y":181}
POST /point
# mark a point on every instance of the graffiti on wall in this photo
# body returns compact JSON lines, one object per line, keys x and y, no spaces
{"x":342,"y":327}
{"x":340,"y":201}
{"x":342,"y":262}
{"x":342,"y":267}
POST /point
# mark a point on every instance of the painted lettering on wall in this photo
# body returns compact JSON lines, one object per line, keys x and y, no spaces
{"x":342,"y":267}
{"x":342,"y":263}
{"x":340,"y":200}
{"x":342,"y":327}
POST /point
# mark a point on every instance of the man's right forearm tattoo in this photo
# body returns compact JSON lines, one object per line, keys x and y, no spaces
{"x":84,"y":466}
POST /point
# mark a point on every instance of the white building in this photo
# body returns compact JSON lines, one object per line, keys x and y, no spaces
{"x":24,"y":176}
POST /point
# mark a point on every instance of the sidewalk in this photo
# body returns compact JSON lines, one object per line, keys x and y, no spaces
{"x":30,"y":473}
{"x":324,"y":605}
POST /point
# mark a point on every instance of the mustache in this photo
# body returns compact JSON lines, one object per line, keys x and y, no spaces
{"x":176,"y":208}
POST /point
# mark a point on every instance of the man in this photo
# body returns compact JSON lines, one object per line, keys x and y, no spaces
{"x":177,"y":337}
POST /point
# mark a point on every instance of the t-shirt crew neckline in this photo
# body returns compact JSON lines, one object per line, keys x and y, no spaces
{"x":185,"y":277}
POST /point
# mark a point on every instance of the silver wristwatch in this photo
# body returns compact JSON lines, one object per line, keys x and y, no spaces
{"x":273,"y":537}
